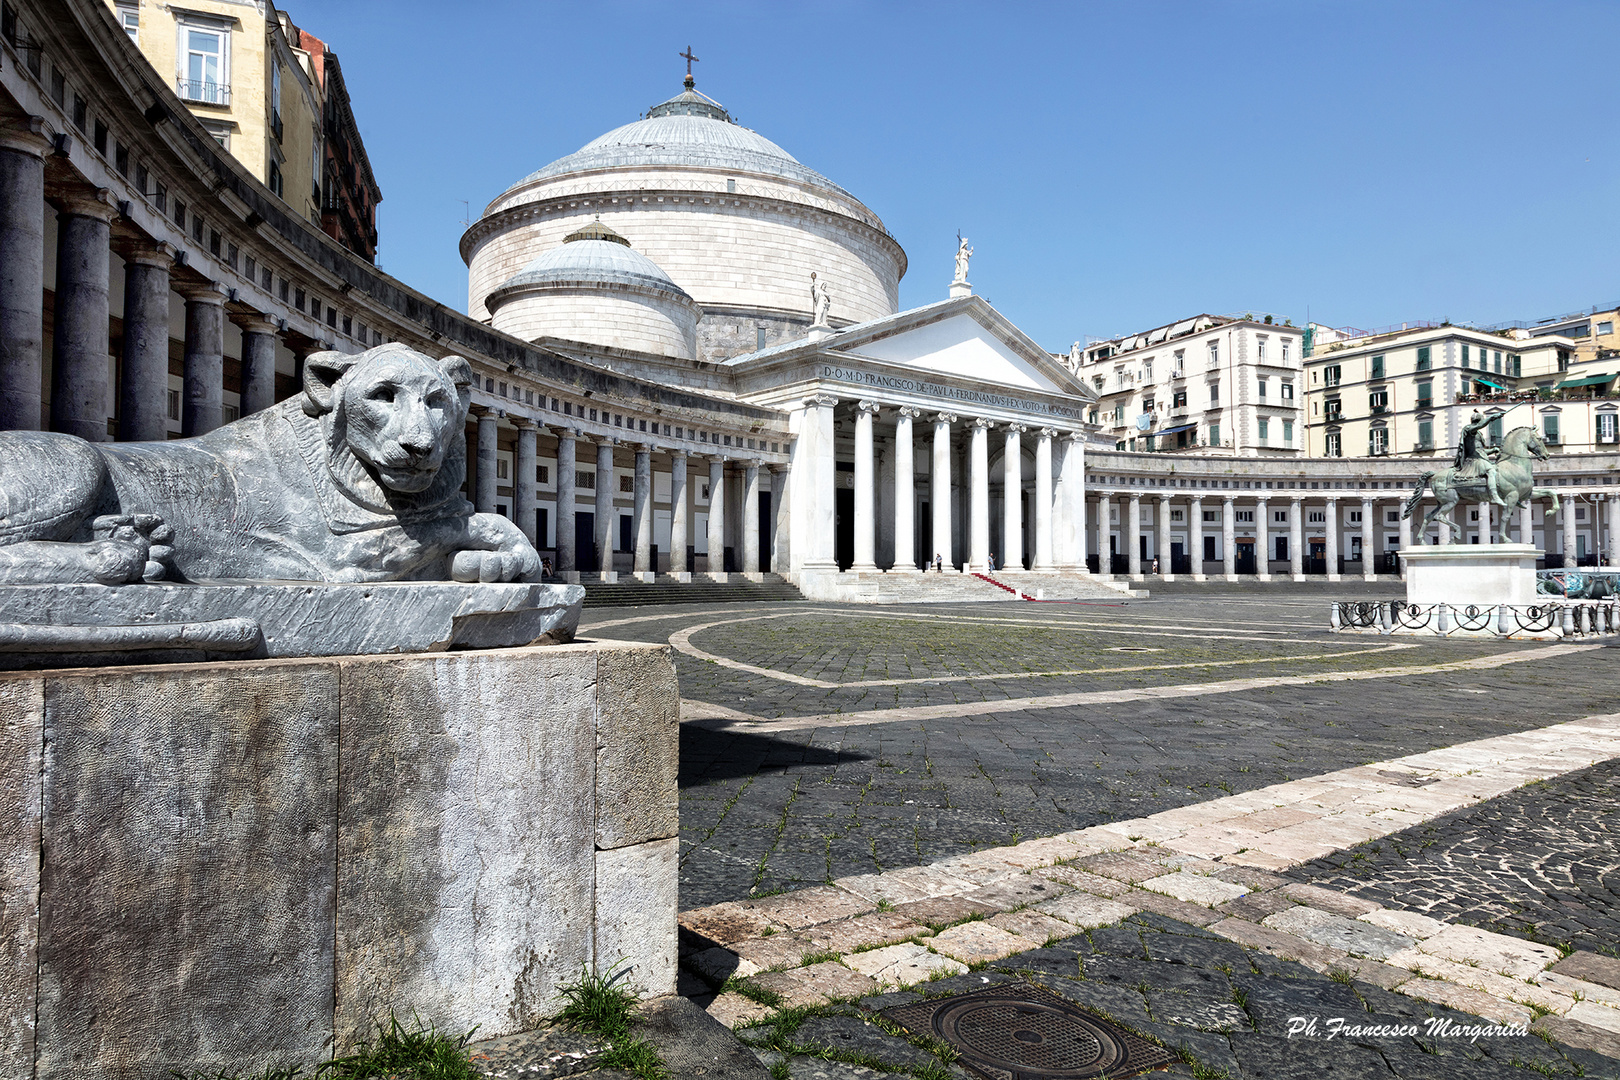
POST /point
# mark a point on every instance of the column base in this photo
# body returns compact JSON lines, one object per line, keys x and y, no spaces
{"x":569,"y":576}
{"x":1229,"y":577}
{"x":684,"y":577}
{"x":1296,"y":577}
{"x":647,"y":576}
{"x":718,"y":576}
{"x":902,"y":570}
{"x":608,"y":577}
{"x":1335,"y":577}
{"x":862,"y":568}
{"x":1200,"y":577}
{"x":1262,"y":577}
{"x":1369,"y":577}
{"x":753,"y":575}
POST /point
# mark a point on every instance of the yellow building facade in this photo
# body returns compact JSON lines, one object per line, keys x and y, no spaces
{"x":239,"y":69}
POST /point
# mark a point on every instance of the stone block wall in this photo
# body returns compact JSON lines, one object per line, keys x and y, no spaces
{"x":246,"y":865}
{"x":612,"y":315}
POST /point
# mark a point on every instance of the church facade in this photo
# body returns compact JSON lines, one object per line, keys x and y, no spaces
{"x":663,"y":390}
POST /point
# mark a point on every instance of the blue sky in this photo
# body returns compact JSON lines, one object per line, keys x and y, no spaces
{"x":1116,"y":166}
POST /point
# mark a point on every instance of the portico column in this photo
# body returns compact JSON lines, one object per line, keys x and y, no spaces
{"x":717,"y":518}
{"x":258,"y":362}
{"x":22,"y":274}
{"x":1166,"y":569}
{"x":679,"y":522}
{"x":1228,"y":539}
{"x":1262,"y":539}
{"x":782,"y":503}
{"x":1611,"y":545}
{"x":1195,"y":536}
{"x":979,"y":487}
{"x":1567,"y":528}
{"x":813,"y":486}
{"x":80,"y":400}
{"x":642,"y":513}
{"x":1012,"y":501}
{"x":1369,"y":557}
{"x":525,"y":502}
{"x":203,"y":407}
{"x":905,"y":478}
{"x":940,"y":495}
{"x":1406,"y":539}
{"x":1296,"y":539}
{"x":486,"y":481}
{"x":1105,"y":533}
{"x":1483,"y":512}
{"x":1074,"y":502}
{"x":750,"y":520}
{"x":1133,"y":541}
{"x":567,"y":467}
{"x":1043,"y":499}
{"x":865,"y":489}
{"x":143,"y":409}
{"x":1333,"y":551}
{"x":604,"y":510}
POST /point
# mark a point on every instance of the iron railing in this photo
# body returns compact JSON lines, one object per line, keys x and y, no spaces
{"x":207,"y":92}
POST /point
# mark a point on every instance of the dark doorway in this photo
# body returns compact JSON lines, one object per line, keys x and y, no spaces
{"x":1179,"y":562}
{"x":1142,"y":542}
{"x":585,"y":557}
{"x":764,"y":530}
{"x":1282,"y":549}
{"x":1244,"y":561}
{"x":627,"y":540}
{"x":1317,"y":563}
{"x":925,"y":536}
{"x":844,"y":528}
{"x":540,"y":526}
{"x":1209,"y":549}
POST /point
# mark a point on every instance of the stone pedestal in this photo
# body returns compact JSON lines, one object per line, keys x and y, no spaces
{"x":248,"y":864}
{"x":1462,"y":574}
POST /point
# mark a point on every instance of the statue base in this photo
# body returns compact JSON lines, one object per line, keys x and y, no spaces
{"x":57,"y":626}
{"x":1470,"y":574}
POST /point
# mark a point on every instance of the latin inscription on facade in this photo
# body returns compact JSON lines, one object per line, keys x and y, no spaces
{"x":955,"y":393}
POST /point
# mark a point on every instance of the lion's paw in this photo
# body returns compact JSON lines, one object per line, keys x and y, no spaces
{"x":492,"y":565}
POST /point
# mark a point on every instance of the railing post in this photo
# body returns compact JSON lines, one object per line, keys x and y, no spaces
{"x":1333,"y":615}
{"x":1568,"y":626}
{"x":1503,"y":628}
{"x":1442,"y":624}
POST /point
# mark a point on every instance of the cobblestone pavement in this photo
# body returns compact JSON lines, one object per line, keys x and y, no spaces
{"x":1542,"y":862}
{"x":857,"y":745}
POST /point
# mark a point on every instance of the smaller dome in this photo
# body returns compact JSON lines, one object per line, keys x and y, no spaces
{"x":609,"y":260}
{"x":596,"y":231}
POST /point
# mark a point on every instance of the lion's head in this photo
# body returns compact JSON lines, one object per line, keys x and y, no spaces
{"x":390,"y":414}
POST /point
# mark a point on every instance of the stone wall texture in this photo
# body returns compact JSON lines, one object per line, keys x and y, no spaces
{"x":602,"y":315}
{"x":248,"y":865}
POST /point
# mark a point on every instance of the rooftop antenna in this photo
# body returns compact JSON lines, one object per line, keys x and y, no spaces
{"x":689,"y":59}
{"x":466,"y":215}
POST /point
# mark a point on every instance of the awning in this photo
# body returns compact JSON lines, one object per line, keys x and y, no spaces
{"x":1487,"y":382}
{"x":1173,"y":430}
{"x":1590,"y":380}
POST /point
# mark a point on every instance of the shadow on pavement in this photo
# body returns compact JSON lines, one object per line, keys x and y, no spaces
{"x":720,"y":754}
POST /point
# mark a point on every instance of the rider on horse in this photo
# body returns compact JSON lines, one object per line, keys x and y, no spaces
{"x":1473,"y":460}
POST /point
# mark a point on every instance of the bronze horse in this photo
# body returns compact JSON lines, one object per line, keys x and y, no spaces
{"x":1513,"y":482}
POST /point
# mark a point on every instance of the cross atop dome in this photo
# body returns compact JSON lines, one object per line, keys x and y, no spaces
{"x":689,"y":60}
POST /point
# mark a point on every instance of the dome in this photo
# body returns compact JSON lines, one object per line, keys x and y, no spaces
{"x":595,"y":261}
{"x":690,"y":130}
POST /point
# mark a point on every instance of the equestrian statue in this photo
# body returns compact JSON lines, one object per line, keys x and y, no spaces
{"x":1481,"y":473}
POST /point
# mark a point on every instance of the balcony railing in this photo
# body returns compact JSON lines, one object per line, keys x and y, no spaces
{"x":209,"y":93}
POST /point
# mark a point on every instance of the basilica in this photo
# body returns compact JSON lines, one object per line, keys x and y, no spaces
{"x":690,"y":359}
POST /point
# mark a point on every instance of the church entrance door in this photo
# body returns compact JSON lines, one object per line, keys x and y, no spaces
{"x":585,"y":541}
{"x":844,"y":527}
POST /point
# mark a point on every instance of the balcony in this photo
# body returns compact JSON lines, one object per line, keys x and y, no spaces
{"x":205,"y":92}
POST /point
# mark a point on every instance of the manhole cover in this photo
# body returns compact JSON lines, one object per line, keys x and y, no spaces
{"x":1026,"y":1033}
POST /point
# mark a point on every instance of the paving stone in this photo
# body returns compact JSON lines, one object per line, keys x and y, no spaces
{"x":718,"y":964}
{"x":725,"y":923}
{"x":1594,"y":1015}
{"x":1128,"y":866}
{"x":809,"y":1068}
{"x":1084,"y":880}
{"x":809,"y":907}
{"x":1124,"y":941}
{"x":1051,"y":960}
{"x":978,"y":942}
{"x":1118,"y":1001}
{"x":1479,"y":978}
{"x":1408,"y":923}
{"x":1196,"y":1012}
{"x":1494,"y":952}
{"x":1164,"y":924}
{"x":1256,"y":906}
{"x":1328,"y":900}
{"x":1288,"y":946}
{"x":1169,"y":906}
{"x":941,"y":911}
{"x":1337,"y":932}
{"x":1198,"y":952}
{"x":1579,"y":989}
{"x":1465,"y":998}
{"x":903,"y":965}
{"x":864,"y":931}
{"x":1085,"y":910}
{"x":1376,"y":972}
{"x":1249,"y":876}
{"x":1283,"y":1059}
{"x":1015,"y":892}
{"x":776,"y":951}
{"x":1590,"y":966}
{"x":1194,"y":888}
{"x":1211,"y":1050}
{"x":856,"y":1035}
{"x":1033,"y":925}
{"x":1156,"y":975}
{"x":815,"y":984}
{"x":1575,"y":1033}
{"x":733,"y":1010}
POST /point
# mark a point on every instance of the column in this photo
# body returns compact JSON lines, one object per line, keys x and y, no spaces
{"x":567,"y":468}
{"x":1262,"y":538}
{"x":525,"y":475}
{"x":1195,"y":535}
{"x":484,"y":473}
{"x":1043,"y":500}
{"x":1133,"y":538}
{"x":679,"y":523}
{"x":1074,"y":502}
{"x":1369,"y":540}
{"x":258,"y":361}
{"x":750,"y":521}
{"x":865,"y":489}
{"x":939,"y":490}
{"x":782,"y":535}
{"x":1484,"y":511}
{"x":812,"y":487}
{"x":905,"y":506}
{"x":22,"y":275}
{"x":1296,"y":539}
{"x":1228,"y":539}
{"x":1105,"y":533}
{"x":1567,"y":529}
{"x":1012,"y":500}
{"x":717,"y":517}
{"x":1526,"y":528}
{"x":80,"y":402}
{"x":604,"y":510}
{"x":641,"y":526}
{"x":979,"y":507}
{"x":143,"y":408}
{"x":1611,"y":546}
{"x":1166,"y":569}
{"x":203,"y":406}
{"x":1406,"y":538}
{"x":1333,"y":548}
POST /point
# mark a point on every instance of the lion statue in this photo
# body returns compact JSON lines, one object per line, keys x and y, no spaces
{"x":357,"y":479}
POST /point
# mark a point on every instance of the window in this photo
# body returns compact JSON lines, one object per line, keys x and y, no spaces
{"x":1214,"y":394}
{"x":1245,"y":517}
{"x":1288,"y":433}
{"x":1178,"y":399}
{"x":1606,"y":426}
{"x":1378,"y":441}
{"x":1214,"y":434}
{"x":1549,"y":428}
{"x":1425,"y":435}
{"x":1425,"y":395}
{"x":1605,"y":327}
{"x":204,"y":64}
{"x":1147,"y":370}
{"x":1331,"y":375}
{"x":501,"y":471}
{"x":1214,"y":354}
{"x":1265,"y":430}
{"x":1513,"y":366}
{"x":1260,"y":350}
{"x":1378,"y":402}
{"x":1279,"y":517}
{"x":1288,"y":391}
{"x":1465,"y":358}
{"x":174,"y":404}
{"x":129,"y":17}
{"x":1212,"y":517}
{"x":277,"y":186}
{"x":1377,"y":371}
{"x":1317,"y":517}
{"x":1261,"y":383}
{"x":1423,"y":363}
{"x":1334,"y":445}
{"x":1119,"y":414}
{"x":275,"y":99}
{"x":626,"y":483}
{"x":1332,"y":409}
{"x":1355,"y":517}
{"x":585,"y":479}
{"x":1180,"y":367}
{"x":759,"y":338}
{"x":81,"y":112}
{"x":542,"y":474}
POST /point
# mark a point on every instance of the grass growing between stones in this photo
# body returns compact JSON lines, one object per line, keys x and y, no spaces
{"x":598,"y":1006}
{"x":421,"y":1053}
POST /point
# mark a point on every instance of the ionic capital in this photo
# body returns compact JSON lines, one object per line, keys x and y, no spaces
{"x":945,"y":418}
{"x":822,"y":401}
{"x":871,"y":407}
{"x":908,"y":412}
{"x":95,"y":204}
